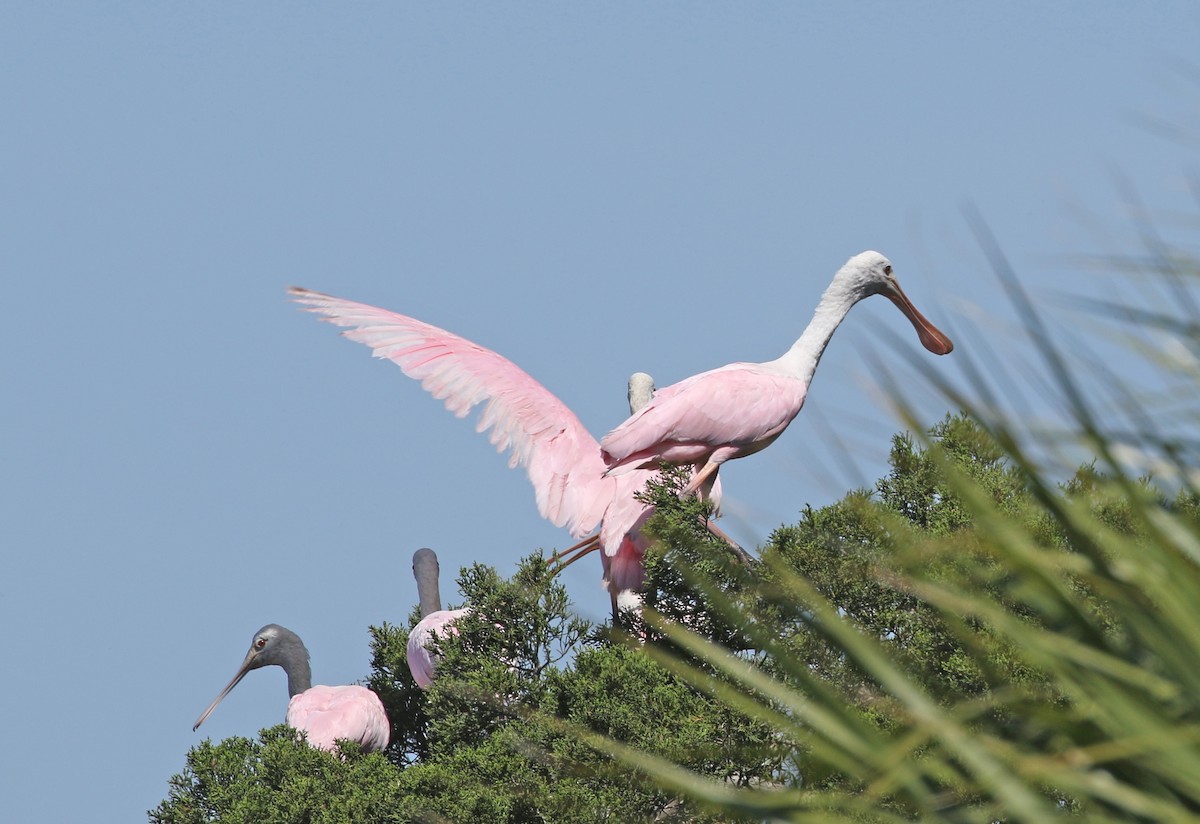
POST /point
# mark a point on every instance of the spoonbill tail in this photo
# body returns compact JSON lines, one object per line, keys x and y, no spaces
{"x":326,"y":714}
{"x":741,"y":408}
{"x":434,"y":619}
{"x":561,"y":458}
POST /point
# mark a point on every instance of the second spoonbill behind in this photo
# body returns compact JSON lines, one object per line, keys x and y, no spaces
{"x":434,"y":619}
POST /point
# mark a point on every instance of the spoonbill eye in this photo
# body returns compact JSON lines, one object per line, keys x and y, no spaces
{"x":887,"y":270}
{"x":260,"y":643}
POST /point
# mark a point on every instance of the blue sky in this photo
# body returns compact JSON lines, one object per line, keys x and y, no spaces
{"x":589,"y":189}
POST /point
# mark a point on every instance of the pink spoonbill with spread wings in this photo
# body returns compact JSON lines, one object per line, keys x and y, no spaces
{"x":560,"y":456}
{"x":434,"y":619}
{"x":741,"y":408}
{"x":325,"y":714}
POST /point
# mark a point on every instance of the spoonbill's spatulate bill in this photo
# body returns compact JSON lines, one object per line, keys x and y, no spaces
{"x":741,"y":408}
{"x":434,"y":619}
{"x":325,"y":714}
{"x":561,"y":458}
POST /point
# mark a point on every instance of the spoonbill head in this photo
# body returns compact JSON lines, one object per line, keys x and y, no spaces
{"x":870,"y":273}
{"x":640,"y":390}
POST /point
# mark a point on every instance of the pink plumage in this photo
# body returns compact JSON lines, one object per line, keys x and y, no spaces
{"x":730,"y":412}
{"x":421,"y":660}
{"x":349,"y":712}
{"x":739,"y":409}
{"x":561,"y":457}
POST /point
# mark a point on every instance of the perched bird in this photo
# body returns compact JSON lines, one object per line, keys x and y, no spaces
{"x":326,"y":714}
{"x":434,"y":619}
{"x":739,"y":409}
{"x":560,"y":456}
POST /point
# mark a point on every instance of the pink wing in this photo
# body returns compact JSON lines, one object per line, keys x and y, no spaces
{"x":329,"y":713}
{"x":741,"y":405}
{"x":560,"y":456}
{"x":421,"y":661}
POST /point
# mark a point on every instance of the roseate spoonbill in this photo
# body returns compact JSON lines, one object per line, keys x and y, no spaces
{"x":561,"y":458}
{"x":741,"y":408}
{"x":326,"y":714}
{"x":434,"y":619}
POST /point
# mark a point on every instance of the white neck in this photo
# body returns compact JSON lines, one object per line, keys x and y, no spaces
{"x":801,"y":360}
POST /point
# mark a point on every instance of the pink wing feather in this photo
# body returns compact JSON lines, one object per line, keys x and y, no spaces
{"x":561,"y":457}
{"x":329,"y":713}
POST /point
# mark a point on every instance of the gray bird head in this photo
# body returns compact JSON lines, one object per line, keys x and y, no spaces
{"x":272,"y":645}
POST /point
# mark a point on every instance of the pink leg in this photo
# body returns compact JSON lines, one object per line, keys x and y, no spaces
{"x":700,"y":477}
{"x":742,"y":555}
{"x":585,"y":547}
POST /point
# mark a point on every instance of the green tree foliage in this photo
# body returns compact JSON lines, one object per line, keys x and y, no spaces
{"x":967,"y":642}
{"x":851,"y":672}
{"x":497,"y":738}
{"x":843,"y":551}
{"x":278,"y":778}
{"x":534,"y":714}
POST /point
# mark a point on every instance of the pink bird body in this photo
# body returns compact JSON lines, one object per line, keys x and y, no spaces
{"x":740,"y":409}
{"x":351,"y":712}
{"x":421,"y":660}
{"x":561,"y":457}
{"x":325,"y":714}
{"x":704,"y":417}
